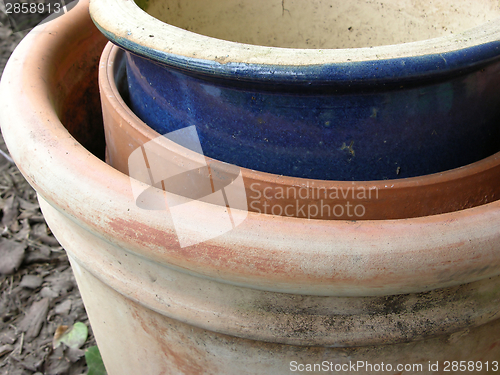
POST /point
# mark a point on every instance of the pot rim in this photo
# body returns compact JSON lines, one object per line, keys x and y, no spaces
{"x":128,"y":26}
{"x":318,"y":257}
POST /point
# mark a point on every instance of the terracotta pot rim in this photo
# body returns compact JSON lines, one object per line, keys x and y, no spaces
{"x":214,"y":57}
{"x":110,"y":89}
{"x":282,"y":253}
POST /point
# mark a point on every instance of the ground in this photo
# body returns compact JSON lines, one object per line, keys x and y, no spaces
{"x":38,"y":292}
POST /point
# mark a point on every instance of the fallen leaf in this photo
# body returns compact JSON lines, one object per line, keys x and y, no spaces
{"x":62,"y":282}
{"x":4,"y":349}
{"x":63,"y":308}
{"x":73,"y":337}
{"x":60,"y":330}
{"x":10,"y":211}
{"x":24,"y":231}
{"x":49,"y":240}
{"x":12,"y":255}
{"x":8,"y":337}
{"x":38,"y":230}
{"x":74,"y":354}
{"x":31,"y":281}
{"x":94,"y":361}
{"x":32,"y":322}
{"x":40,"y":255}
{"x":48,"y":292}
{"x":26,"y":205}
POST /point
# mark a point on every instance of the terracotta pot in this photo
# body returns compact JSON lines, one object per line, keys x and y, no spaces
{"x":316,"y":109}
{"x":273,"y":294}
{"x":461,"y":188}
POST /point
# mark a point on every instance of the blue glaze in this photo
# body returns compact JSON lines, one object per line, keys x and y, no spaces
{"x":383,"y":71}
{"x":370,"y":120}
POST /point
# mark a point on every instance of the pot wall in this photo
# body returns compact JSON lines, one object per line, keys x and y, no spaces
{"x":266,"y":315}
{"x":224,"y":329}
{"x":166,"y":346}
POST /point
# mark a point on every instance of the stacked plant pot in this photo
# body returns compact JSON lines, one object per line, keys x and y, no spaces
{"x":186,"y":277}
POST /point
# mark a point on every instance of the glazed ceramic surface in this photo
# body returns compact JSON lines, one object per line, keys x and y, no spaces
{"x":461,"y":188}
{"x":272,"y":291}
{"x":311,"y":110}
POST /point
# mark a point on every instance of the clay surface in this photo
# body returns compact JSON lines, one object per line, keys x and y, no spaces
{"x":324,"y":24}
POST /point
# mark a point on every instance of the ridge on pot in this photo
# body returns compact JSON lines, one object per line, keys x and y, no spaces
{"x":469,"y":186}
{"x":387,"y":112}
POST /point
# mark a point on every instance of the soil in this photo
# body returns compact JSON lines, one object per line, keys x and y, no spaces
{"x":38,"y":292}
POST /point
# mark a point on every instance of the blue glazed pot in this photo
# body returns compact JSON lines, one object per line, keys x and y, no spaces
{"x":376,"y":113}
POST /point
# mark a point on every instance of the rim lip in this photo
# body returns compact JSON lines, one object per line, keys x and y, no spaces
{"x":129,"y":27}
{"x":422,"y":253}
{"x":108,"y":85}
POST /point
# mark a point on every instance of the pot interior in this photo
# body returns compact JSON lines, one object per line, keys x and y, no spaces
{"x":323,"y":24}
{"x":75,"y":93}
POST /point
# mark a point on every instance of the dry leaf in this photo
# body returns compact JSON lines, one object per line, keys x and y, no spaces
{"x":73,"y":337}
{"x":61,"y":330}
{"x":10,"y":211}
{"x":32,"y":322}
{"x":11,"y":255}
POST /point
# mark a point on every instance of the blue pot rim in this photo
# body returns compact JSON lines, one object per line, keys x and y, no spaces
{"x":428,"y":59}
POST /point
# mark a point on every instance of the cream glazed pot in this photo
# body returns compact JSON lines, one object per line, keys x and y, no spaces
{"x":269,"y":297}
